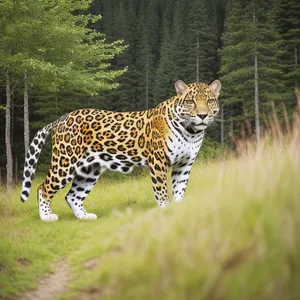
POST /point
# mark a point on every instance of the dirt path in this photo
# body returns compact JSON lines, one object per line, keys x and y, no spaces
{"x":52,"y":285}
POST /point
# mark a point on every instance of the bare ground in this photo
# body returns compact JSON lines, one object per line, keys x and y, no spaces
{"x":51,"y":286}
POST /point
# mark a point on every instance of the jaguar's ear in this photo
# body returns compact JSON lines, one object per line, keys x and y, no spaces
{"x":216,"y":87}
{"x":180,"y":87}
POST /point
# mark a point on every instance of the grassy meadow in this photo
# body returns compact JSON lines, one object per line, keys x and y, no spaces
{"x":234,"y":236}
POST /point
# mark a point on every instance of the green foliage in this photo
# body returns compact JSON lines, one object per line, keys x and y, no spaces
{"x":145,"y":53}
{"x":55,"y":45}
{"x":202,"y":44}
{"x":210,"y":150}
{"x":165,"y":69}
{"x":288,"y":14}
{"x":250,"y":31}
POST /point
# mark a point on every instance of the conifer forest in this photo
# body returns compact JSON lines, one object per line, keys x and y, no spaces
{"x":123,"y":55}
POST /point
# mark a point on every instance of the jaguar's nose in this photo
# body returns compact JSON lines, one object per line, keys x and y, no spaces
{"x":202,"y":116}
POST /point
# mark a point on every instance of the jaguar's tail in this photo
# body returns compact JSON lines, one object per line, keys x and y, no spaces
{"x":31,"y":159}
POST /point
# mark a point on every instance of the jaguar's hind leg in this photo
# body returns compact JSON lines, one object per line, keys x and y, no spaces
{"x":46,"y":191}
{"x":45,"y":203}
{"x":83,"y":182}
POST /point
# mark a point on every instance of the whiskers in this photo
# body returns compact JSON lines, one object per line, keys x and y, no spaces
{"x":218,"y":119}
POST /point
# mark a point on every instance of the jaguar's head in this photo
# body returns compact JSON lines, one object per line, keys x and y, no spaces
{"x":198,"y":104}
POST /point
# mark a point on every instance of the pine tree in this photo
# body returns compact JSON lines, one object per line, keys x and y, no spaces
{"x":124,"y":98}
{"x":288,"y":16}
{"x":202,"y":41}
{"x":164,"y":78}
{"x":152,"y":26}
{"x":180,"y":41}
{"x":251,"y":35}
{"x":144,"y":62}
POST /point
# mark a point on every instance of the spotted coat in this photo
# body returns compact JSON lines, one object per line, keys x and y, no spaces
{"x":87,"y":142}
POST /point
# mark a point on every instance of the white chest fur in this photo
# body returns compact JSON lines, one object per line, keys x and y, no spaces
{"x":183,"y":147}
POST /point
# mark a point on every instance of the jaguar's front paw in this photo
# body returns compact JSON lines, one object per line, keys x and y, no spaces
{"x":87,"y":217}
{"x":49,"y":218}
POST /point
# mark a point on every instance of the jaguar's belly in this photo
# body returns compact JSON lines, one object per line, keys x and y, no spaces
{"x":124,"y":165}
{"x":114,"y":162}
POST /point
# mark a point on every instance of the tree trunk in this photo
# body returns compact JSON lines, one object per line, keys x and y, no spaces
{"x":9,"y":159}
{"x":56,"y":105}
{"x":26,"y":114}
{"x":12,"y":118}
{"x":147,"y":83}
{"x":16,"y":169}
{"x":256,"y":95}
{"x":222,"y":124}
{"x":197,"y":61}
{"x":231,"y":122}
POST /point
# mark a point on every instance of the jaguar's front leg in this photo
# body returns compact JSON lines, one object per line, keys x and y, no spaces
{"x":158,"y":172}
{"x":180,"y":177}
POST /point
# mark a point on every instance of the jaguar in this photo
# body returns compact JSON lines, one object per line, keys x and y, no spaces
{"x":87,"y":142}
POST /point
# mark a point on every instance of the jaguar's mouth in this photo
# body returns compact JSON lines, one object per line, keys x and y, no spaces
{"x":192,"y":129}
